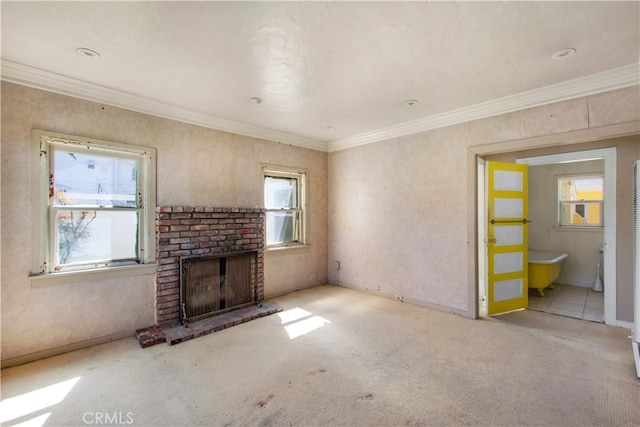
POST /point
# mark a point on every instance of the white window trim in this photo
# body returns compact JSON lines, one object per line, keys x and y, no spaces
{"x":288,"y":172}
{"x":578,"y":227}
{"x":41,"y":268}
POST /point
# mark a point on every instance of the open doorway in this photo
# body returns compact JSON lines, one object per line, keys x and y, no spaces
{"x":547,"y":231}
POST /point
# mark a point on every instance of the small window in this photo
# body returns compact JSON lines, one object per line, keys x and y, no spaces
{"x":93,"y":214}
{"x":284,"y":202}
{"x":580,"y":201}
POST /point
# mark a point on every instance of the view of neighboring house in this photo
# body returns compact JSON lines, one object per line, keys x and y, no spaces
{"x":85,"y":181}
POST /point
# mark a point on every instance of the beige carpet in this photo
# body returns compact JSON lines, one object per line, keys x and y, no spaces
{"x":339,"y":357}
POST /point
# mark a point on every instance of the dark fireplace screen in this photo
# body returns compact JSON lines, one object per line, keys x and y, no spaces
{"x":216,"y":284}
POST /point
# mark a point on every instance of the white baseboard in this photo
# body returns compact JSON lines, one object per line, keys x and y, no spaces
{"x":636,"y":356}
{"x":413,"y":301}
{"x":272,"y":295}
{"x":20,"y":360}
{"x":580,"y":281}
{"x":621,"y":324}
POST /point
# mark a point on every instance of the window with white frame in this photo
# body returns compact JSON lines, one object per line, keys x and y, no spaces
{"x":284,"y":196}
{"x":95,"y":202}
{"x":580,"y":201}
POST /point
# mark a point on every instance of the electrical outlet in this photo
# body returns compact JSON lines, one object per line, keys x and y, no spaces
{"x":337,"y":265}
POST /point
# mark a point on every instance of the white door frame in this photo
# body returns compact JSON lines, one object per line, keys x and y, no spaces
{"x":474,"y":153}
{"x":609,"y":157}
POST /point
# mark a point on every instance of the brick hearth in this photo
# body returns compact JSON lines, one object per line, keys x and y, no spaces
{"x":192,"y":231}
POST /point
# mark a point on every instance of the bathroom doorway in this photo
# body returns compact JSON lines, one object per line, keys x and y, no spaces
{"x":566,"y":209}
{"x":565,"y":300}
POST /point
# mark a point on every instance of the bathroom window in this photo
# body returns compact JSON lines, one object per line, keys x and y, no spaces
{"x":580,"y":201}
{"x":284,"y":195}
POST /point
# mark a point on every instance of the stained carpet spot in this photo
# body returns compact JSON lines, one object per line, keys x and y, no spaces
{"x":368,"y":396}
{"x":262,"y":403}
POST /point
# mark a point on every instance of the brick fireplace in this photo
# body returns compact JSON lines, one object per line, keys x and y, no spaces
{"x":187,"y":232}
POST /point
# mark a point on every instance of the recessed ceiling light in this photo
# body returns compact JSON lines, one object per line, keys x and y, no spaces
{"x":563,"y":53}
{"x":256,"y":100}
{"x":87,"y":53}
{"x":411,"y":102}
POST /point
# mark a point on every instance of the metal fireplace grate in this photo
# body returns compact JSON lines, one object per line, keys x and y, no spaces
{"x":216,"y":284}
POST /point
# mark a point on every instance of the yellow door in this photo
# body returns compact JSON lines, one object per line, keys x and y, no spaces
{"x":507,"y":237}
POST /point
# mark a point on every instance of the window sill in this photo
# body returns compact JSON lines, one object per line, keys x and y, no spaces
{"x":287,"y":247}
{"x":84,"y":276}
{"x":578,"y":228}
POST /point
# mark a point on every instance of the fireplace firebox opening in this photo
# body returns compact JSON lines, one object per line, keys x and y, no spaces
{"x":211,"y":285}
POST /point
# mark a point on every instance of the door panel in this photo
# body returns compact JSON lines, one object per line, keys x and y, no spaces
{"x":507,"y":289}
{"x":507,"y":241}
{"x":509,"y":235}
{"x":504,"y":208}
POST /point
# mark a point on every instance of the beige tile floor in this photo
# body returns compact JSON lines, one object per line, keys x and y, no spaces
{"x":570,"y":301}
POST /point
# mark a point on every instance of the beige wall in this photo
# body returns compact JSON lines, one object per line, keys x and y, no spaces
{"x":397,"y":216}
{"x":627,"y":153}
{"x":401,"y":211}
{"x":195,"y":167}
{"x":582,"y":246}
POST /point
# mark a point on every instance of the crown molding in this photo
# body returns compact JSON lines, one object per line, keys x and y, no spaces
{"x":52,"y":82}
{"x":617,"y":78}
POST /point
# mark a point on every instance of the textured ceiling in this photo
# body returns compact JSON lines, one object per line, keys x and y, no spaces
{"x":350,"y":66}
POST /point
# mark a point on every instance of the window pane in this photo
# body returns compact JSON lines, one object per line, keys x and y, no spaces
{"x":508,"y":180}
{"x":507,"y":235}
{"x":581,"y":213}
{"x":282,"y":227}
{"x":84,"y":236}
{"x":280,"y":193}
{"x":507,"y":208}
{"x":581,"y":200}
{"x":587,"y":188}
{"x":91,"y":180}
{"x":507,"y":289}
{"x":507,"y":262}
